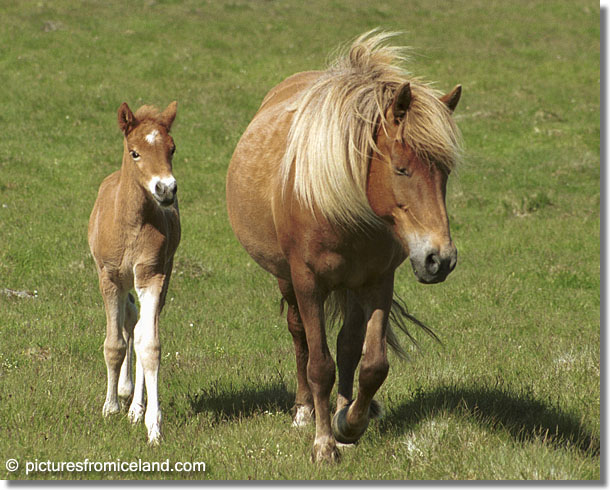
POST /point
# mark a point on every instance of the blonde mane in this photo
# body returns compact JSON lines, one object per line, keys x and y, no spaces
{"x":332,"y":136}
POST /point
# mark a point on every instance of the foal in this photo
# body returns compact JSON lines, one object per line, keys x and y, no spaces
{"x":134,"y":230}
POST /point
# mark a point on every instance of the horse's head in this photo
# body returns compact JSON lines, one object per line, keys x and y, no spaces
{"x":149,"y":148}
{"x":407,"y":190}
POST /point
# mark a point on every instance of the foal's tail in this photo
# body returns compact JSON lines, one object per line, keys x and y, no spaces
{"x":335,"y":309}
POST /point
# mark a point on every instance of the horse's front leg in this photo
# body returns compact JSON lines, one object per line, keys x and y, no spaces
{"x":114,"y":344}
{"x":350,"y":422}
{"x":126,"y":378}
{"x":148,"y":353}
{"x":320,"y":366}
{"x":136,"y":409}
{"x":303,"y":404}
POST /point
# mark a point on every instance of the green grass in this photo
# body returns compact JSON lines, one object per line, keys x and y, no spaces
{"x":514,"y":391}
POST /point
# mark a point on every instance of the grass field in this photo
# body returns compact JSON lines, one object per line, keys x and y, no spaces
{"x":513,"y":393}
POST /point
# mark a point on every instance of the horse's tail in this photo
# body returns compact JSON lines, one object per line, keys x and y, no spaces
{"x":335,"y":309}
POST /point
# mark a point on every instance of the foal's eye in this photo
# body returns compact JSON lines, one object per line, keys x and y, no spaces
{"x":402,"y":171}
{"x":172,"y":150}
{"x":134,"y":154}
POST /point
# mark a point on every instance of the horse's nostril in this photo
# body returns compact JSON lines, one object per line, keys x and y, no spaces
{"x":433,"y":263}
{"x":453,"y":262}
{"x":163,"y":189}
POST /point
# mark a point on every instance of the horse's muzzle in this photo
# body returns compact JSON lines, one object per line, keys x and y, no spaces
{"x":434,"y":265}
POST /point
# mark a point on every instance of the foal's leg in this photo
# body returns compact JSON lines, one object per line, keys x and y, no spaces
{"x":114,"y":344}
{"x":303,"y":405}
{"x":320,"y":366}
{"x":126,"y":378}
{"x":350,"y":422}
{"x":349,"y":349}
{"x":136,"y":409}
{"x":148,"y":352}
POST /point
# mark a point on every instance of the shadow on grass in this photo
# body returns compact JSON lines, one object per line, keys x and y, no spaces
{"x":229,"y":402}
{"x":524,"y":417}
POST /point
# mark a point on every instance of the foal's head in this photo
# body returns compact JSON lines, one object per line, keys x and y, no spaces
{"x":408,"y":179}
{"x":149,"y":148}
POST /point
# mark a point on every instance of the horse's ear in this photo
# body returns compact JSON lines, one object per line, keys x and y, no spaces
{"x":452,"y":98}
{"x":402,"y":101}
{"x":127,"y":121}
{"x":168,"y":115}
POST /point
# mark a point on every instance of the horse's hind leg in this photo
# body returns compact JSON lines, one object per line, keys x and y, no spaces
{"x":350,"y":422}
{"x":114,"y":345}
{"x":349,"y":349}
{"x":126,"y":378}
{"x":303,"y":405}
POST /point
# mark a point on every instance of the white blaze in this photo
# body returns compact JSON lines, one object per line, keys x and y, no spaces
{"x":419,"y":247}
{"x":152,"y":136}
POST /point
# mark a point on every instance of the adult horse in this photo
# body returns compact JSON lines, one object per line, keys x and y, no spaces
{"x":340,"y":177}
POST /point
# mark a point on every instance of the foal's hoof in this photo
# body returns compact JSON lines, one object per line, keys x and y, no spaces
{"x":154,"y":435}
{"x":125,"y":390}
{"x":110,"y":408}
{"x":302,"y":415}
{"x":343,"y":432}
{"x":136,"y":411}
{"x":325,"y":451}
{"x":153,"y":425}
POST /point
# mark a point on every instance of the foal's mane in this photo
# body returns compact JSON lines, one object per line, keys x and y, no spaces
{"x":148,"y":113}
{"x":333,"y":132}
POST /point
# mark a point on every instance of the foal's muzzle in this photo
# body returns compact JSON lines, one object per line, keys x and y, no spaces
{"x":165,"y":192}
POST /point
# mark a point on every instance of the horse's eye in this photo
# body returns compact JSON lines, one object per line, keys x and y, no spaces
{"x":402,"y":171}
{"x":172,"y":150}
{"x":134,"y":154}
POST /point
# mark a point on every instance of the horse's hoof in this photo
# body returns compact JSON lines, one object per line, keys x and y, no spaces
{"x":325,"y":451}
{"x":125,"y":390}
{"x":343,"y":432}
{"x":302,"y":415}
{"x":154,"y":435}
{"x":136,"y":411}
{"x":343,"y":446}
{"x":110,"y":408}
{"x":126,"y":403}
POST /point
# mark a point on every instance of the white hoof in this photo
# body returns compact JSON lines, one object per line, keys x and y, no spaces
{"x":302,"y":416}
{"x":342,"y":445}
{"x":154,"y":435}
{"x":325,"y":450}
{"x":153,"y":424}
{"x":125,"y":389}
{"x":110,"y":408}
{"x":136,"y":411}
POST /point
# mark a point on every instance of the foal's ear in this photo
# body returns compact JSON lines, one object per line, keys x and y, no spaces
{"x":127,"y":121}
{"x":402,"y":101}
{"x":452,"y":98}
{"x":168,"y":115}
